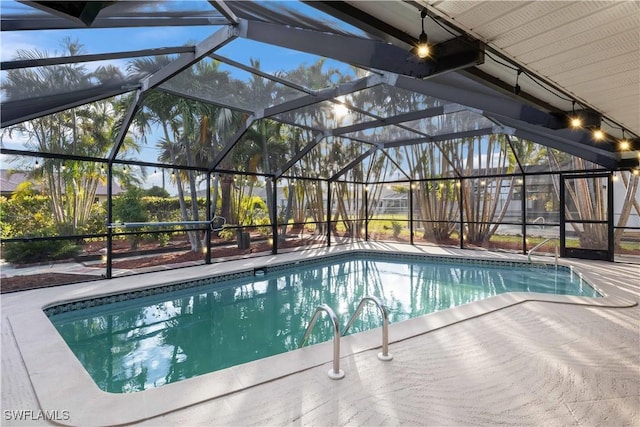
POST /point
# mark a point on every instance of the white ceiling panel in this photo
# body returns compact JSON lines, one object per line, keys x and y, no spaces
{"x":487,"y":12}
{"x":559,"y":24}
{"x":596,"y":70}
{"x":591,"y":49}
{"x":583,"y":56}
{"x":526,"y":13}
{"x":588,"y":41}
{"x":455,"y":8}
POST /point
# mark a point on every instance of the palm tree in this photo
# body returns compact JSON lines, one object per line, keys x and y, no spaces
{"x":188,"y":137}
{"x":88,"y":130}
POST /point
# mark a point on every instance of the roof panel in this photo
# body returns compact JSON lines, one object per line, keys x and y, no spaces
{"x":116,"y":15}
{"x":225,"y":85}
{"x":388,"y":101}
{"x":383,"y":134}
{"x":328,"y":157}
{"x":57,"y":133}
{"x":293,"y":13}
{"x":302,"y":69}
{"x":267,"y":147}
{"x":324,"y":115}
{"x":450,"y":123}
{"x":173,"y":124}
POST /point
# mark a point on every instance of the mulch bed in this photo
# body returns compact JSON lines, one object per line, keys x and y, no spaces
{"x":35,"y":281}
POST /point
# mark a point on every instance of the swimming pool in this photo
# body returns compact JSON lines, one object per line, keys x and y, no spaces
{"x":139,"y":341}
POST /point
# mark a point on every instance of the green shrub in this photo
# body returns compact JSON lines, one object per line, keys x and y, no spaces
{"x":397,"y":228}
{"x":227,"y":234}
{"x":156,"y":191}
{"x":39,"y":251}
{"x":28,"y":215}
{"x":163,"y":238}
{"x":128,"y":207}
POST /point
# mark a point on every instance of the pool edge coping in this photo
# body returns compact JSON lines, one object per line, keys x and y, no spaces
{"x":51,"y":376}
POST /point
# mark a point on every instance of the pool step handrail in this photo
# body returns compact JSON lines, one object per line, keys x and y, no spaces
{"x":384,"y":355}
{"x":539,"y":245}
{"x":335,"y":373}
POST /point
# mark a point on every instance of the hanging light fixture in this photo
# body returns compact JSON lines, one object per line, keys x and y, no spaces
{"x":624,"y":143}
{"x":575,"y":120}
{"x":422,"y":49}
{"x":598,"y":134}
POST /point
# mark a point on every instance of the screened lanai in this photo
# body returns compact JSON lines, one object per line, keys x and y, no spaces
{"x":139,"y":136}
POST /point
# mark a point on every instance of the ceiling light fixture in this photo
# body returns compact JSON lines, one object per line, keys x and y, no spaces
{"x":422,"y":49}
{"x":624,"y":143}
{"x":598,"y":134}
{"x":575,"y":120}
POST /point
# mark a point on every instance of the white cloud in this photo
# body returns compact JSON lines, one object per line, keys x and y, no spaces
{"x":12,"y":42}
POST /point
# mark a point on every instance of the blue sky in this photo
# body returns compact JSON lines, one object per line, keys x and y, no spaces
{"x":97,"y":40}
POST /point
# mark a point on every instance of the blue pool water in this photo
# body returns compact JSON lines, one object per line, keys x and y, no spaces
{"x":146,"y":342}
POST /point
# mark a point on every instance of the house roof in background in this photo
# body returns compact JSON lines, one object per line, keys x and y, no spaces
{"x":11,"y":179}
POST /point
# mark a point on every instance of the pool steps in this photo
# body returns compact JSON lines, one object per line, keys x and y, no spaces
{"x":384,"y":355}
{"x":335,"y":373}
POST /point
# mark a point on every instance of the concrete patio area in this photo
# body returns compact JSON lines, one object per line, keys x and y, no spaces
{"x":547,"y":362}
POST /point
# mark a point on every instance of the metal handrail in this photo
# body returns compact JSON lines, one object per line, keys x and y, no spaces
{"x":335,"y":373}
{"x":536,"y":220}
{"x":214,"y":226}
{"x":384,"y":355}
{"x":155,"y":224}
{"x":542,"y":243}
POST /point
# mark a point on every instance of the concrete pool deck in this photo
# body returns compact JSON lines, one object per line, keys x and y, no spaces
{"x":505,"y":360}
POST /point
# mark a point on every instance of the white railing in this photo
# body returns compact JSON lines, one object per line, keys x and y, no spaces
{"x":542,"y":243}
